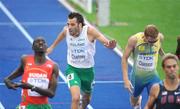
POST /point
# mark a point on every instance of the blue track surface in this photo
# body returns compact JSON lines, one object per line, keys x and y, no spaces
{"x":46,"y":18}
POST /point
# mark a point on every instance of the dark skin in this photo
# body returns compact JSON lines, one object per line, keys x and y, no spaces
{"x":39,"y":47}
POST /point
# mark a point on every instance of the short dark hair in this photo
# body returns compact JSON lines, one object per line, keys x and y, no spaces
{"x":151,"y":30}
{"x":169,"y":56}
{"x":78,"y":16}
{"x":36,"y":39}
{"x":178,"y":47}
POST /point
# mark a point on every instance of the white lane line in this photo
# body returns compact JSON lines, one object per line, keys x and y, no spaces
{"x":34,"y":23}
{"x":63,"y":2}
{"x":116,"y":49}
{"x":96,"y":82}
{"x":1,"y":106}
{"x":119,"y":52}
{"x":2,"y":84}
{"x":3,"y":8}
{"x":99,"y":82}
{"x":13,"y":19}
{"x":24,"y":32}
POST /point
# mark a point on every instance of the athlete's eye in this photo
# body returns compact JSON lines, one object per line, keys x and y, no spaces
{"x":169,"y":66}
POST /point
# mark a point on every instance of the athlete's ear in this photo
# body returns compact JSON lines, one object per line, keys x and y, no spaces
{"x":80,"y":24}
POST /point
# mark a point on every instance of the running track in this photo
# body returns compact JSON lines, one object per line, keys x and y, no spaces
{"x":23,"y":20}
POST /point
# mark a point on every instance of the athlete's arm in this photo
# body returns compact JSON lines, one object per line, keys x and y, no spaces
{"x":128,"y":50}
{"x":60,"y":37}
{"x":16,"y":73}
{"x":53,"y":82}
{"x":50,"y":92}
{"x":161,"y":51}
{"x":152,"y":96}
{"x":95,"y":34}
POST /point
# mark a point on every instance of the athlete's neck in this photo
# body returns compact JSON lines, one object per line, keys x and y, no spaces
{"x":39,"y":58}
{"x":171,"y":84}
{"x":78,"y":33}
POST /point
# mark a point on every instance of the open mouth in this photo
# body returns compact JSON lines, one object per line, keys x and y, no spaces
{"x":41,"y":47}
{"x":71,"y":32}
{"x":152,"y":41}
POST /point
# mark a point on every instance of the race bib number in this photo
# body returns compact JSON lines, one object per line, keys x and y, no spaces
{"x":38,"y":82}
{"x":146,"y":62}
{"x":70,"y":77}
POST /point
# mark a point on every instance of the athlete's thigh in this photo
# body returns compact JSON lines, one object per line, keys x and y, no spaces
{"x":72,"y":77}
{"x":138,"y":88}
{"x":154,"y":80}
{"x":87,"y":79}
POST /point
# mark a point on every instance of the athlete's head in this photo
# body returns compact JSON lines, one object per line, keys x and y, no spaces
{"x":75,"y":23}
{"x":178,"y":46}
{"x":151,"y":33}
{"x":178,"y":39}
{"x":39,"y":45}
{"x":170,"y":64}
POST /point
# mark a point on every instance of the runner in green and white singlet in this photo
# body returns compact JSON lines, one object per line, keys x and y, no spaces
{"x":80,"y":40}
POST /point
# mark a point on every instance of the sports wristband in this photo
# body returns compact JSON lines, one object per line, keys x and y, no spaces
{"x":33,"y":88}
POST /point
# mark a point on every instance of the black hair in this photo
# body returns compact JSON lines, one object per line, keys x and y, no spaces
{"x":78,"y":16}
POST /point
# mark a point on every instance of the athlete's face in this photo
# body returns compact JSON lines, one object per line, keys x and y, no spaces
{"x":171,"y":68}
{"x":39,"y":45}
{"x":74,"y":27}
{"x":151,"y":39}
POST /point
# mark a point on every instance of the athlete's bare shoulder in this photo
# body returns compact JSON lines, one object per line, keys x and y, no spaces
{"x":155,"y":90}
{"x":65,"y":29}
{"x":23,"y":57}
{"x":93,"y":33}
{"x":161,"y":37}
{"x":132,"y":40}
{"x":91,"y":30}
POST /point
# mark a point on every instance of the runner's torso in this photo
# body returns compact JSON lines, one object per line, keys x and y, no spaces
{"x":168,"y":99}
{"x":81,"y":51}
{"x":145,"y":56}
{"x":37,"y":75}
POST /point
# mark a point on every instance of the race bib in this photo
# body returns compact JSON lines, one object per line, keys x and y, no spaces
{"x":78,"y":55}
{"x":70,"y":77}
{"x":38,"y":82}
{"x":146,"y":62}
{"x":78,"y":50}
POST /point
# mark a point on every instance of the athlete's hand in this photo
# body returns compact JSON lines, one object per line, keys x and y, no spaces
{"x":111,"y":44}
{"x":49,"y":50}
{"x":128,"y":86}
{"x":25,"y":85}
{"x":10,"y":84}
